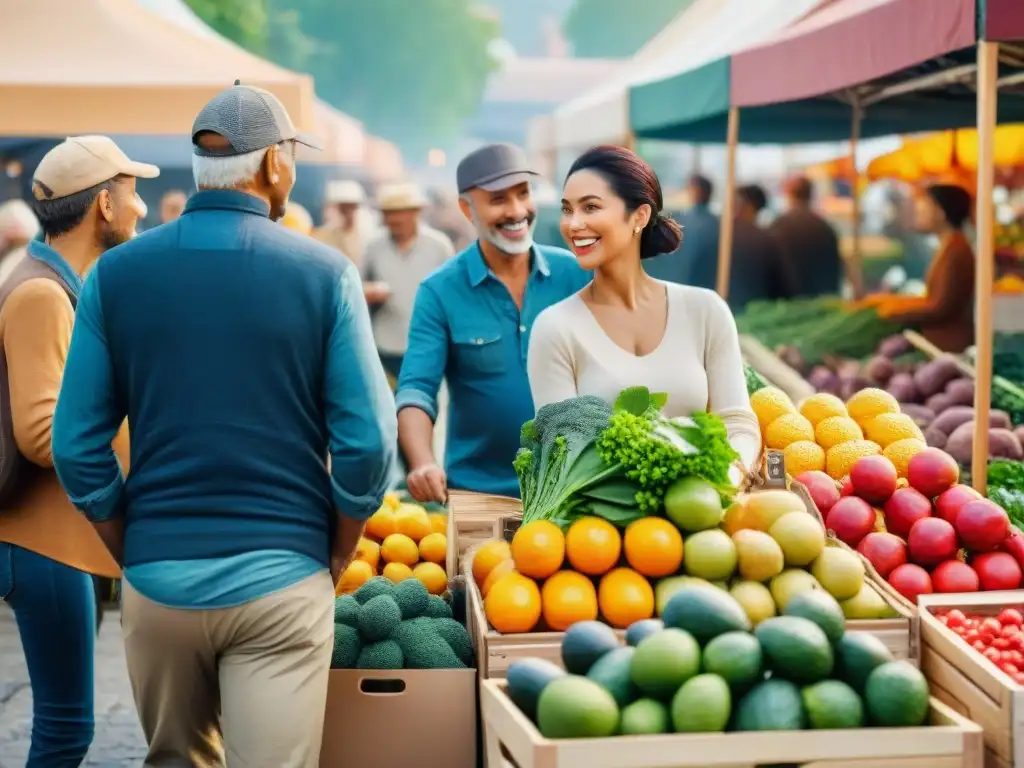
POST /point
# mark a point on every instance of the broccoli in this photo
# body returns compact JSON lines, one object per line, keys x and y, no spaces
{"x":655,"y":451}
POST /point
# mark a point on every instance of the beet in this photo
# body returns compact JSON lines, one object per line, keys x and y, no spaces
{"x":933,"y":377}
{"x":939,"y":403}
{"x":922,"y":415}
{"x":961,"y":391}
{"x":880,"y":370}
{"x":901,"y":386}
{"x":894,"y":346}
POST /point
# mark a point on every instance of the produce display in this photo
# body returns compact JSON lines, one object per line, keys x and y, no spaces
{"x":924,"y":532}
{"x":1008,"y":375}
{"x":704,"y":668}
{"x":384,"y":625}
{"x":755,"y":380}
{"x":1006,"y":488}
{"x":401,"y":541}
{"x":764,"y":550}
{"x":823,"y":433}
{"x":1000,"y":639}
{"x":806,"y":332}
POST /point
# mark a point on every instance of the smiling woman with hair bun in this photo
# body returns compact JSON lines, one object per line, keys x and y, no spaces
{"x":625,"y":328}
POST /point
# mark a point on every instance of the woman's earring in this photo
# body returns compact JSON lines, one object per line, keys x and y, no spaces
{"x":636,"y":231}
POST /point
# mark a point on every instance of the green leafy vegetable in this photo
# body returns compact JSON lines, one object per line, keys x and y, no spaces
{"x":1006,"y":474}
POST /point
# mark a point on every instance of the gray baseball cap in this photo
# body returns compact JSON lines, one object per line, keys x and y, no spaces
{"x":494,"y":167}
{"x":250,"y":118}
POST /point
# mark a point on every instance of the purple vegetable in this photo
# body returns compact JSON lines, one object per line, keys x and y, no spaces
{"x":952,"y":417}
{"x":934,"y":376}
{"x":901,"y":386}
{"x":791,"y":356}
{"x":999,"y":420}
{"x":936,"y":438}
{"x":961,"y":391}
{"x":1003,"y":444}
{"x":1019,"y":432}
{"x":941,"y":403}
{"x":822,"y":378}
{"x":921,"y":415}
{"x":894,"y":346}
{"x":960,"y":443}
{"x":880,"y":370}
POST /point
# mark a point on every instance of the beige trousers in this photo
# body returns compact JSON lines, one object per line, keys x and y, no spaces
{"x":241,"y":687}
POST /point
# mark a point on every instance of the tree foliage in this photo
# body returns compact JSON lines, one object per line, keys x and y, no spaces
{"x":617,"y":28}
{"x":410,"y":70}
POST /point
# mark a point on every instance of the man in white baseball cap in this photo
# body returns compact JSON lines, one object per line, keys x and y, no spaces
{"x":344,"y":226}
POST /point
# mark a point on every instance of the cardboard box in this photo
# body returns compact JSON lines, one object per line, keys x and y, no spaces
{"x":400,"y":718}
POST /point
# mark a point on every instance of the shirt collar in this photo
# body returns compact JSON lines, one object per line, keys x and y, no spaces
{"x":479,"y":271}
{"x":44,"y":253}
{"x":227,"y":200}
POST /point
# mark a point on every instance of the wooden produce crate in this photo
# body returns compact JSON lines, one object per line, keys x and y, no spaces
{"x":896,"y":633}
{"x":472,"y":519}
{"x":969,"y":683}
{"x":495,"y":651}
{"x":511,"y":740}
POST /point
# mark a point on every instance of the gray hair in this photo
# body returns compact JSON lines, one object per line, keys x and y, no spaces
{"x":232,"y":172}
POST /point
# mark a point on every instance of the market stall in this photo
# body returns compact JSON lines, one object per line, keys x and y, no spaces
{"x":53,"y":83}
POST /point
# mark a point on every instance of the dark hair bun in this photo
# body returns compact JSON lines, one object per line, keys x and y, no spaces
{"x":662,"y":235}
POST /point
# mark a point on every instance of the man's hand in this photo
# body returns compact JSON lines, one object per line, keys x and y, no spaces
{"x":376,"y":293}
{"x":428,"y":482}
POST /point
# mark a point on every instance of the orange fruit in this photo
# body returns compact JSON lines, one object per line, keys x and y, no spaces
{"x":568,"y":597}
{"x":381,"y":524}
{"x":369,"y":552}
{"x":593,"y":546}
{"x":538,"y":549}
{"x":487,"y":556}
{"x":654,"y":546}
{"x":399,"y":548}
{"x":504,"y":568}
{"x":432,"y":576}
{"x":624,"y":597}
{"x":392,"y":501}
{"x":513,"y":604}
{"x":412,"y":520}
{"x":438,"y":522}
{"x":396,"y":572}
{"x":434,"y":548}
{"x":358,"y":573}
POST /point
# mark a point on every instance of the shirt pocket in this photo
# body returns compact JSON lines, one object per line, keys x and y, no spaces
{"x":479,"y":353}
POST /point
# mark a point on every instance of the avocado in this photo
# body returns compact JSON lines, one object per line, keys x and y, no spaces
{"x":346,"y":609}
{"x":795,"y":648}
{"x":456,"y":636}
{"x":612,"y":672}
{"x":644,"y":717}
{"x":412,"y":598}
{"x":821,"y":608}
{"x":378,"y":585}
{"x":584,"y":643}
{"x":378,"y":618}
{"x":702,"y":704}
{"x":423,"y":647}
{"x":857,"y":655}
{"x":437,"y":608}
{"x":705,"y":613}
{"x":833,"y":704}
{"x":526,"y":680}
{"x":347,"y":646}
{"x":896,"y":695}
{"x":382,"y":655}
{"x":735,"y":657}
{"x":773,"y":705}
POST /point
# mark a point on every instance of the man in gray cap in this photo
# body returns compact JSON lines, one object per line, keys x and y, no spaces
{"x":243,"y":352}
{"x":471,"y":326}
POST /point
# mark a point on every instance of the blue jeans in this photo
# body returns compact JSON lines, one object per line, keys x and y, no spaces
{"x":55,"y":609}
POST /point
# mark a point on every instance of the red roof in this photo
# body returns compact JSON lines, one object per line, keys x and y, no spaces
{"x":844,"y":43}
{"x":1004,"y":20}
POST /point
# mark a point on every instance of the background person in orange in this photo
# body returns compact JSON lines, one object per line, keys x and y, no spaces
{"x":85,"y":200}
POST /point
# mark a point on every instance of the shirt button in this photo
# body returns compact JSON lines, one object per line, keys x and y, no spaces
{"x":522,"y":329}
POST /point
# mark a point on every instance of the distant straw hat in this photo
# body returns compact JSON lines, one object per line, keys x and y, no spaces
{"x":400,"y":197}
{"x":345,"y":191}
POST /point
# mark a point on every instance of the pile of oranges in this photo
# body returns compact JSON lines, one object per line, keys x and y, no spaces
{"x":549,"y":580}
{"x":401,"y":541}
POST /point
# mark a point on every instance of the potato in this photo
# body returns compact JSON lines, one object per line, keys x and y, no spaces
{"x":894,"y":346}
{"x":939,"y":403}
{"x":935,"y":438}
{"x":880,"y":369}
{"x":823,"y":379}
{"x":922,"y":415}
{"x":960,"y":443}
{"x":952,"y":417}
{"x":999,"y":420}
{"x":1019,"y":432}
{"x":1003,"y":444}
{"x":901,"y":386}
{"x":961,"y":391}
{"x":933,"y":377}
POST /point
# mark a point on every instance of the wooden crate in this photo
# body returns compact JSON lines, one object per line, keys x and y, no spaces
{"x":510,"y":739}
{"x":472,"y":519}
{"x":969,"y":683}
{"x":897,"y":633}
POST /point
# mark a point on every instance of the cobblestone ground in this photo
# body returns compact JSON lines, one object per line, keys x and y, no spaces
{"x":118,"y":743}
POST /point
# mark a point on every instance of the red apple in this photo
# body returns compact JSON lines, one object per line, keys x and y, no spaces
{"x":822,"y":488}
{"x":932,"y":472}
{"x":931,"y":541}
{"x":874,"y":478}
{"x":903,"y":509}
{"x":845,"y":487}
{"x":910,"y":581}
{"x":982,"y":525}
{"x":885,"y":551}
{"x":851,"y":519}
{"x":955,"y":576}
{"x":1014,"y":544}
{"x":948,"y":503}
{"x":997,"y":570}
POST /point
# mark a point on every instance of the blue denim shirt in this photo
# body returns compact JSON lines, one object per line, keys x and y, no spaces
{"x":243,"y":354}
{"x":467,"y":330}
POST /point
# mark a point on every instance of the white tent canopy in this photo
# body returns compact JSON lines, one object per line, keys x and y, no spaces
{"x":705,"y":31}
